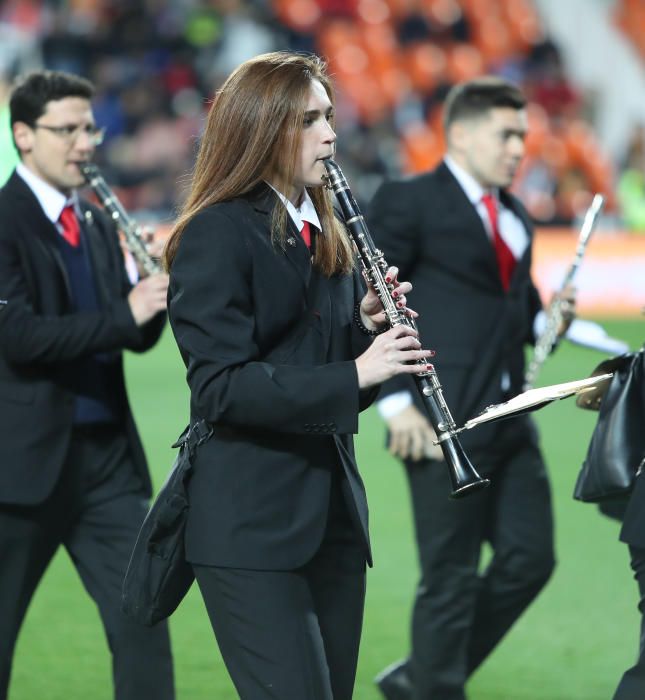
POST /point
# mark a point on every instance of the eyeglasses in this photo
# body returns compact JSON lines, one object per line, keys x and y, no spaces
{"x":70,"y":132}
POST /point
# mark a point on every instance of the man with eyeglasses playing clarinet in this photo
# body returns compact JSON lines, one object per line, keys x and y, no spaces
{"x":72,"y":468}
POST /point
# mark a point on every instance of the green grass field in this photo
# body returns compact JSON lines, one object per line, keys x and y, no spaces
{"x":572,"y":644}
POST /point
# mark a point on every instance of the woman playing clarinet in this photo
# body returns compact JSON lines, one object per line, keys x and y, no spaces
{"x":283,"y":347}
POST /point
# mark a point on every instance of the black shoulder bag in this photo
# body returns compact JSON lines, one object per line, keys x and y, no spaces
{"x":158,"y":575}
{"x":617,"y":448}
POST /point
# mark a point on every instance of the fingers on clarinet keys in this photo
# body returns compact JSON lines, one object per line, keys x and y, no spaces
{"x":390,"y":275}
{"x":397,"y":351}
{"x":398,"y":292}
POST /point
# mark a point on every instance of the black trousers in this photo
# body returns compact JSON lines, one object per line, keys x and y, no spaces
{"x":632,"y":684}
{"x":95,"y":512}
{"x":293,"y":635}
{"x":460,"y":614}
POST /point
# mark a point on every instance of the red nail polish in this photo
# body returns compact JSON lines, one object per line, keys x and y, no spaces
{"x":395,"y":294}
{"x":388,"y":279}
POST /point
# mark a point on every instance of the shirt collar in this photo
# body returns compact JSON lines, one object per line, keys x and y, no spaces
{"x":50,"y":199}
{"x":472,"y":189}
{"x":305,"y":212}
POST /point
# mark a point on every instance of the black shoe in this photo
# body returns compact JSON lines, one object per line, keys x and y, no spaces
{"x":394,"y":681}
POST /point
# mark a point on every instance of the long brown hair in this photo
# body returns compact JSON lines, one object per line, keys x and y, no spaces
{"x":253,"y":134}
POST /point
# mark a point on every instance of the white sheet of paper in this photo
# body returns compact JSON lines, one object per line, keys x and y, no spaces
{"x":533,"y":399}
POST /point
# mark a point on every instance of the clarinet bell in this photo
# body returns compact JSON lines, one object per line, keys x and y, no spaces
{"x":464,"y":478}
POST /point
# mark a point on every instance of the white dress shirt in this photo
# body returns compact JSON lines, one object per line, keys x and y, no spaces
{"x":50,"y":199}
{"x":305,"y":212}
{"x":53,"y":202}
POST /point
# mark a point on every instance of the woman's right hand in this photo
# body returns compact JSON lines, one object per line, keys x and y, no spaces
{"x":388,"y":356}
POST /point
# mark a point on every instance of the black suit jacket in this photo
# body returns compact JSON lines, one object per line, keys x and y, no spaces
{"x":427,"y":227}
{"x":41,"y":336}
{"x":269,"y":347}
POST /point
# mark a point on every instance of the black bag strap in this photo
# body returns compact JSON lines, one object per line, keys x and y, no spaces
{"x":194,"y":435}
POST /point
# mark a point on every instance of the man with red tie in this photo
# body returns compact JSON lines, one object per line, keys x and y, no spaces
{"x":72,"y":468}
{"x":465,"y":244}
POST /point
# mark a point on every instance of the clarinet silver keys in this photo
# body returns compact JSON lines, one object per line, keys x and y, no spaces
{"x":463,"y":475}
{"x":132,"y":232}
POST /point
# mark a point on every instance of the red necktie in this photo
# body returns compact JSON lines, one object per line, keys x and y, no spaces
{"x":306,"y":234}
{"x":69,"y":222}
{"x":505,"y":258}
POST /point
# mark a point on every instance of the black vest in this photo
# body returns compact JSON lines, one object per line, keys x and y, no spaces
{"x":93,"y":377}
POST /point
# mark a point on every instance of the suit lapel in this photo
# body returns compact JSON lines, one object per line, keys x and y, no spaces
{"x":484,"y":250}
{"x":95,"y":251}
{"x":294,"y":249}
{"x":297,"y":253}
{"x":41,"y":232}
{"x":457,"y":200}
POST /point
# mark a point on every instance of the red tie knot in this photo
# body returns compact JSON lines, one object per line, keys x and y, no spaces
{"x":490,"y":203}
{"x":306,"y":233}
{"x":71,"y":229}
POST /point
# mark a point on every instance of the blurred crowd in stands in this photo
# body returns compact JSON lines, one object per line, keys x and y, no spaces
{"x":157,"y":63}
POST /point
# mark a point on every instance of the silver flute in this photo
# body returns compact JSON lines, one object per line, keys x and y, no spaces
{"x":549,"y":336}
{"x":463,"y":475}
{"x":132,"y":232}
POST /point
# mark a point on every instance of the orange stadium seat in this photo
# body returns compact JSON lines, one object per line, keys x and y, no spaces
{"x":299,"y":15}
{"x":629,"y":16}
{"x":379,"y":40}
{"x":523,"y":23}
{"x":443,"y":12}
{"x":464,"y":62}
{"x":402,"y":8}
{"x":426,"y":65}
{"x":435,"y":122}
{"x":538,"y":129}
{"x":374,"y":12}
{"x":478,"y":10}
{"x":554,"y":153}
{"x":421,"y":148}
{"x":333,"y":35}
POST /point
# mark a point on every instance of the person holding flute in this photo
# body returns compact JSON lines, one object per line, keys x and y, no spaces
{"x":465,"y":243}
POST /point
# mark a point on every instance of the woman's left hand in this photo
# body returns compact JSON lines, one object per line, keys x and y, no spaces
{"x":372,"y":314}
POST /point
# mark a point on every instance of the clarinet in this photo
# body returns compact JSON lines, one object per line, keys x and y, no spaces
{"x":130,"y":229}
{"x":549,"y":336}
{"x":463,"y":476}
